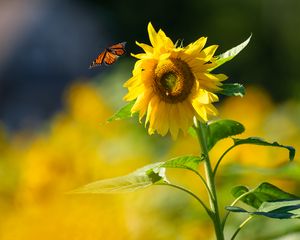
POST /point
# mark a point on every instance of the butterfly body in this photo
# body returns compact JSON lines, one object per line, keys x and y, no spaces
{"x":110,"y":55}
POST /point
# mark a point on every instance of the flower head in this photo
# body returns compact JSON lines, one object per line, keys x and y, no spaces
{"x":171,"y":84}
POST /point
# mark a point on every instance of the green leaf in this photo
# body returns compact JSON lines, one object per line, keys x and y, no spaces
{"x":141,"y":178}
{"x":230,"y":54}
{"x":222,"y":129}
{"x":138,"y":179}
{"x":284,"y":209}
{"x":265,"y":192}
{"x":235,"y":209}
{"x":259,"y":141}
{"x":239,"y":190}
{"x":184,"y":162}
{"x":123,"y":113}
{"x":233,"y":89}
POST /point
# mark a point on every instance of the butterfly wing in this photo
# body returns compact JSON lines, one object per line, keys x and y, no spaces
{"x":99,"y":60}
{"x":118,"y":49}
{"x":110,"y":58}
{"x":109,"y":55}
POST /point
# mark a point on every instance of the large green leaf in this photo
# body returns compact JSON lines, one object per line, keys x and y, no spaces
{"x":184,"y":162}
{"x":123,"y":113}
{"x":138,"y":179}
{"x":259,"y":141}
{"x":222,"y":129}
{"x":230,"y":54}
{"x":141,"y":178}
{"x":284,"y":209}
{"x":233,"y":89}
{"x":265,"y":192}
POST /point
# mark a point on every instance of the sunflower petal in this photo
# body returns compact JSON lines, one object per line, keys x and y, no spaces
{"x":197,"y":46}
{"x":209,"y":52}
{"x":164,"y":41}
{"x":152,"y":35}
{"x":140,"y":55}
{"x":148,"y":49}
{"x":200,"y":110}
{"x":151,"y":108}
{"x":173,"y":113}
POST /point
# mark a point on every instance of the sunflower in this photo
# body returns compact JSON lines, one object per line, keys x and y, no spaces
{"x":172,"y":84}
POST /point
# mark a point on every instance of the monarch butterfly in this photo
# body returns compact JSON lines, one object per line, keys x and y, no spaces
{"x":109,"y":55}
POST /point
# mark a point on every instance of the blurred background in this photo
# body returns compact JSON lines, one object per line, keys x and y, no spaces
{"x":53,"y":109}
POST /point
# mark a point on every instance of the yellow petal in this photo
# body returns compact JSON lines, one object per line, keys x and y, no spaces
{"x":215,"y":77}
{"x":221,"y":77}
{"x":164,"y":56}
{"x":200,"y":110}
{"x":142,"y":102}
{"x":148,"y":49}
{"x":197,"y":65}
{"x":173,"y":121}
{"x":152,"y":35}
{"x":197,"y":46}
{"x":134,"y":91}
{"x":164,"y":124}
{"x":140,"y":55}
{"x":183,"y":116}
{"x":151,"y":107}
{"x":211,"y":110}
{"x":164,"y":41}
{"x":160,"y":122}
{"x":207,"y":84}
{"x":153,"y":114}
{"x":130,"y":81}
{"x":206,"y":97}
{"x":209,"y":52}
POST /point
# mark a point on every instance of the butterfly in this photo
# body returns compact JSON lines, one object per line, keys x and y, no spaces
{"x":109,"y":55}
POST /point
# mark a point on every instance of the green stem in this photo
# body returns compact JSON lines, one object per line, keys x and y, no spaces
{"x":202,"y":131}
{"x":209,"y":212}
{"x":220,"y":159}
{"x":205,"y":184}
{"x":240,"y":227}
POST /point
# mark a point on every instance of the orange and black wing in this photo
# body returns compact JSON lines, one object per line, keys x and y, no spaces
{"x":99,"y":60}
{"x":110,"y":58}
{"x":118,"y":49}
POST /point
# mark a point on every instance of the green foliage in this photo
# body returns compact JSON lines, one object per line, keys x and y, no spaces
{"x":138,"y":179}
{"x":123,"y":113}
{"x":284,"y":209}
{"x":233,"y":89}
{"x":184,"y":162}
{"x":265,"y":192}
{"x":192,"y":132}
{"x":141,"y":178}
{"x":230,"y":54}
{"x":262,"y":142}
{"x":222,"y":129}
{"x":269,"y":200}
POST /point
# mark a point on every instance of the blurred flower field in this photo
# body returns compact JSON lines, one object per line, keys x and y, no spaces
{"x":77,"y":146}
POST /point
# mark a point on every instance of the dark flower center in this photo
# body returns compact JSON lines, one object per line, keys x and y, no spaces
{"x":173,"y":80}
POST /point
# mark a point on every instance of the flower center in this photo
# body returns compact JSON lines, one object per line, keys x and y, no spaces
{"x":173,"y":80}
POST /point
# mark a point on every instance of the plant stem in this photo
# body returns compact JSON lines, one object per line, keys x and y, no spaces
{"x":205,"y":184}
{"x":209,"y":212}
{"x":220,"y":159}
{"x":202,"y":131}
{"x":240,"y":227}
